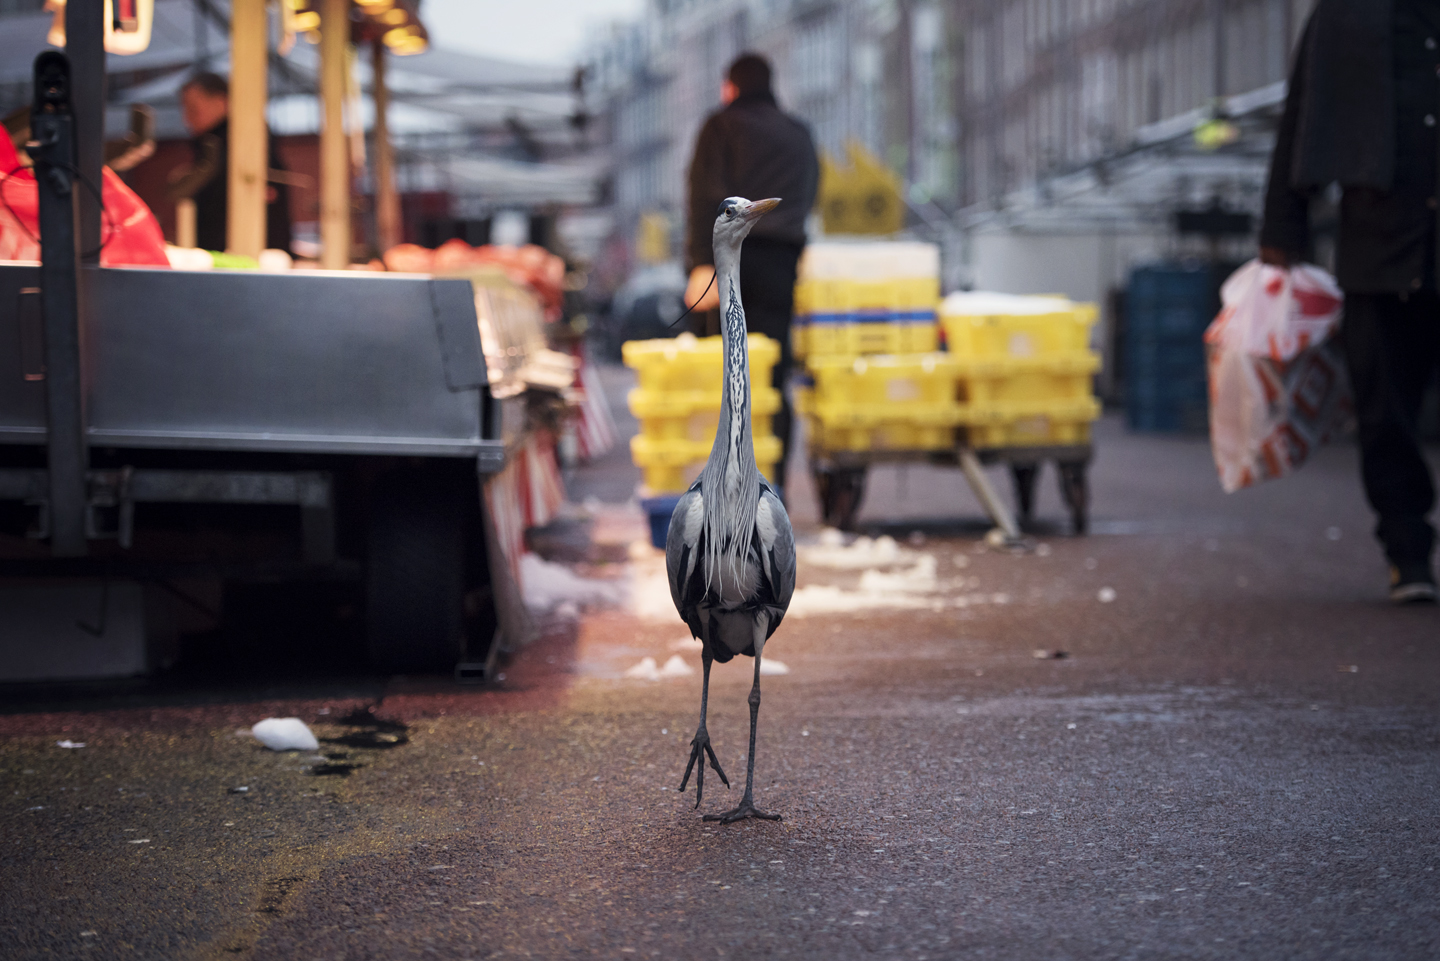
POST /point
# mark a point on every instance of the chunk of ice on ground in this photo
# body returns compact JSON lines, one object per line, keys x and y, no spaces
{"x":859,"y":554}
{"x":768,"y":665}
{"x":547,"y":586}
{"x":676,"y":667}
{"x":285,"y":734}
{"x":828,"y":599}
{"x":916,"y":580}
{"x":67,"y":743}
{"x":644,"y":671}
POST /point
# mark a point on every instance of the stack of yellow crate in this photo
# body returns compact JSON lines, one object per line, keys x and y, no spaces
{"x":678,"y":405}
{"x":1025,"y":366}
{"x":865,"y":327}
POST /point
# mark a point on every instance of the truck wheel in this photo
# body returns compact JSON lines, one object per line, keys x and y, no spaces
{"x":415,"y":573}
{"x":840,"y":490}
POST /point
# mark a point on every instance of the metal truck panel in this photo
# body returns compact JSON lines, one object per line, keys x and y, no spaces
{"x":240,"y":360}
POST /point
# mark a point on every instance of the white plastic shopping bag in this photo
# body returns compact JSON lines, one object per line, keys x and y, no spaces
{"x":1277,"y":380}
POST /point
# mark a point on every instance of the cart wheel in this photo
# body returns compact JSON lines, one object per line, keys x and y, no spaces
{"x":840,"y":490}
{"x":1023,"y":476}
{"x":1075,"y":489}
{"x":415,"y":573}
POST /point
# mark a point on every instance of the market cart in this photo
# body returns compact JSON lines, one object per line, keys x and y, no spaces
{"x":1012,"y":386}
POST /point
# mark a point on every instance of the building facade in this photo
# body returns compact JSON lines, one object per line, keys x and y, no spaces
{"x":1047,"y":141}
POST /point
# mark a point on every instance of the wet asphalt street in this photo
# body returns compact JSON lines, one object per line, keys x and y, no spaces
{"x":1238,"y":756}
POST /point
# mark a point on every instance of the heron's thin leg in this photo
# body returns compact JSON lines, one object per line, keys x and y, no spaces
{"x":747,"y":808}
{"x":754,"y":718}
{"x":700,"y":746}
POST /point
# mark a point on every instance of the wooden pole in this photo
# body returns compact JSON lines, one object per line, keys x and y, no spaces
{"x":249,"y":140}
{"x":85,"y":46}
{"x":334,"y":152}
{"x":387,"y":200}
{"x":185,"y":222}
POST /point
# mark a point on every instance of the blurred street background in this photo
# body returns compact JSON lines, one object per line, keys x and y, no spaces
{"x":1044,"y":689}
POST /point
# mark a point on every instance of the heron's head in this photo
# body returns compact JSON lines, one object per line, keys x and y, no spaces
{"x":737,"y":215}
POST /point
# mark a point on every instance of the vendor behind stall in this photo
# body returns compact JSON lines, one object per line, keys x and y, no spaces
{"x":205,"y":108}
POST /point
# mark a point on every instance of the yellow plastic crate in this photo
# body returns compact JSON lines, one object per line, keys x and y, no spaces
{"x":1064,"y":331}
{"x":689,"y":363}
{"x":895,"y":402}
{"x":693,"y":415}
{"x":908,"y":383}
{"x":897,"y":436}
{"x":1062,"y":426}
{"x":849,"y":317}
{"x":848,"y":338}
{"x":672,"y":465}
{"x":1032,"y":385}
{"x":840,"y":296}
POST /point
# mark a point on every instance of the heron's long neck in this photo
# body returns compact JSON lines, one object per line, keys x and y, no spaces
{"x":733,"y":442}
{"x":730,"y":479}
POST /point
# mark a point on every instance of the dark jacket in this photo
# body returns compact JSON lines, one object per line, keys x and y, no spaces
{"x":1361,"y":112}
{"x":752,"y":149}
{"x":207,"y":182}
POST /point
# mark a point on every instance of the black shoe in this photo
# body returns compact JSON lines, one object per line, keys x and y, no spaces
{"x":1412,"y":584}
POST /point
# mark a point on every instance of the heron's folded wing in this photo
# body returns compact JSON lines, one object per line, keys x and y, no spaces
{"x":682,"y":549}
{"x":777,"y":548}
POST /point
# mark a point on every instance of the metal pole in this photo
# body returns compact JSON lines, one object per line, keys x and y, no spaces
{"x":991,"y":501}
{"x":334,"y":153}
{"x":249,"y":140}
{"x":52,"y":127}
{"x":387,"y":201}
{"x":85,"y":47}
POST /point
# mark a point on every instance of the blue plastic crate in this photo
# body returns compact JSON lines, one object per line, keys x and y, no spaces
{"x":658,"y":510}
{"x":1168,"y":307}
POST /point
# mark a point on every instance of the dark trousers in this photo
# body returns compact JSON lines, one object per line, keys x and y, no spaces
{"x":767,"y":291}
{"x":1392,"y":347}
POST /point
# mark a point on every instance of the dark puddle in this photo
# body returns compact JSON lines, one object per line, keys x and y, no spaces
{"x":369,"y":740}
{"x":334,"y":769}
{"x":366,"y":717}
{"x":370,"y":733}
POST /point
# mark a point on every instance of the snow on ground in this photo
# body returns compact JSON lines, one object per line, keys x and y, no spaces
{"x":832,"y":551}
{"x":547,"y":586}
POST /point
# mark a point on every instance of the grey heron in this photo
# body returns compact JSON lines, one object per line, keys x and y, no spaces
{"x":730,"y":554}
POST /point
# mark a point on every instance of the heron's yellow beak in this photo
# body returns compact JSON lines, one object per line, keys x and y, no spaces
{"x":759,"y":208}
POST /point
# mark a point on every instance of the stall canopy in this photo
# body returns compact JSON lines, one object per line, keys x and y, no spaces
{"x":487,"y":130}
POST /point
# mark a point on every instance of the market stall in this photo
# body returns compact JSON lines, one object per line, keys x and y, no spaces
{"x":391,"y":429}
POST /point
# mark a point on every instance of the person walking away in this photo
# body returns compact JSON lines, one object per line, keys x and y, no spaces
{"x":1361,"y":111}
{"x":751,"y":148}
{"x":205,"y":108}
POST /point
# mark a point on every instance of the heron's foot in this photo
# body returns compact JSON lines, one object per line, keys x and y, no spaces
{"x":747,"y":809}
{"x":700,"y":749}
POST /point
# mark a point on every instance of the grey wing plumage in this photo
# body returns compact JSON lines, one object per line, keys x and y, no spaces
{"x":776,"y":543}
{"x":682,"y":555}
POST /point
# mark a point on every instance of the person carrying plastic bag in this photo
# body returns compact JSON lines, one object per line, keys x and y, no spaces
{"x":1360,"y":113}
{"x":1277,"y":380}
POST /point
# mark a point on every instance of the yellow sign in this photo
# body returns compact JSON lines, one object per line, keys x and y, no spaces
{"x":127,"y":34}
{"x":652,"y":241}
{"x":861,"y":198}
